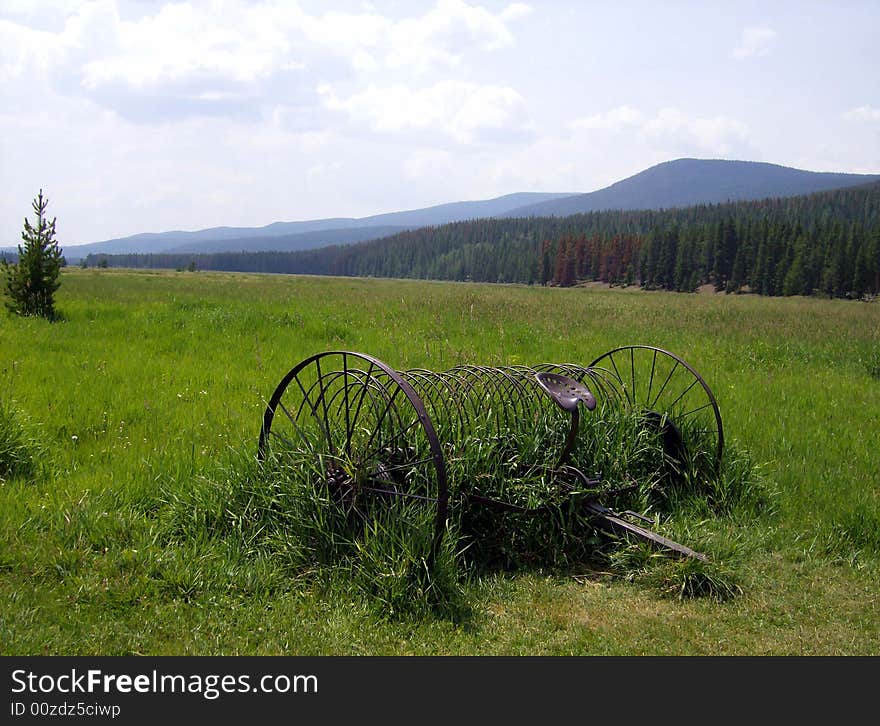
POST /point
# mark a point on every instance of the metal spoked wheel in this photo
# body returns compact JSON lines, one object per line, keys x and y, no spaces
{"x":673,"y":397}
{"x":355,"y":427}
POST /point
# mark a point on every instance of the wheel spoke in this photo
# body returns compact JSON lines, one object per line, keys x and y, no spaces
{"x":632,"y":370}
{"x":663,"y":387}
{"x":651,"y":379}
{"x":671,"y":384}
{"x":620,"y":378}
{"x":683,"y":393}
{"x":695,"y":410}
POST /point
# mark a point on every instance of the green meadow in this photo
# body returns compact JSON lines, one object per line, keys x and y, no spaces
{"x":127,"y":429}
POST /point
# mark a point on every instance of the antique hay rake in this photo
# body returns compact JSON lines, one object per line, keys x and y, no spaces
{"x":407,"y":445}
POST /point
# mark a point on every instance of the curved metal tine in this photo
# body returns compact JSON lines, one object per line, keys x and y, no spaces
{"x":352,"y":378}
{"x":433,"y":389}
{"x":489,"y":398}
{"x":523,"y":400}
{"x":611,"y":394}
{"x":603,"y":379}
{"x":479,"y":397}
{"x":452,"y":393}
{"x":462,"y":384}
{"x":389,"y":405}
{"x":328,"y":381}
{"x":566,"y":369}
{"x":524,"y":372}
{"x":360,"y":375}
{"x":496,"y":394}
{"x":426,"y":386}
{"x":497,"y":388}
{"x":296,"y":427}
{"x":319,"y":381}
{"x":323,"y":400}
{"x":519,"y":392}
{"x":526,"y":376}
{"x":540,"y":407}
{"x":390,"y":430}
{"x":464,"y":381}
{"x":450,"y":404}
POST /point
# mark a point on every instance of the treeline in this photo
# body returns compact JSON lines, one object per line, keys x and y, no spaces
{"x":826,"y":243}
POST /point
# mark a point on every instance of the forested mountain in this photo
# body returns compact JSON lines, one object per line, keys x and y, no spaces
{"x":685,"y":182}
{"x":826,"y":243}
{"x":678,"y":183}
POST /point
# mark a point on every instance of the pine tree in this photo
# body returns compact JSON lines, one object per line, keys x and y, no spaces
{"x":31,"y":284}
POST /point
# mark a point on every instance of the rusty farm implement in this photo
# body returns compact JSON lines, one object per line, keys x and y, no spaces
{"x":415,"y":446}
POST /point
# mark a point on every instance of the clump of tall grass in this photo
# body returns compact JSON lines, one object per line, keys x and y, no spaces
{"x":872,"y":363}
{"x":853,"y":535}
{"x":626,"y":465}
{"x":735,"y":488}
{"x":23,"y":455}
{"x":521,"y":467}
{"x":683,"y":578}
{"x":289,"y":511}
{"x":286,"y":511}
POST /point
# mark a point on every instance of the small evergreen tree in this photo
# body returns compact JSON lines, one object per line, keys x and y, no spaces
{"x":31,"y":284}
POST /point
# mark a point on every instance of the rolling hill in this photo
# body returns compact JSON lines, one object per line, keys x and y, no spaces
{"x":686,"y":182}
{"x":292,"y":236}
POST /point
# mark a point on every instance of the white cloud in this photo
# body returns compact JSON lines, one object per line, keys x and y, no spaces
{"x":713,"y":134}
{"x":754,"y":42}
{"x":182,"y":59}
{"x":867,"y":114}
{"x":462,"y":111}
{"x":441,"y":36}
{"x":670,"y":129}
{"x":613,"y":120}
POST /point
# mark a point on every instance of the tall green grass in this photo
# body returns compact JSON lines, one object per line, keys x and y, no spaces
{"x":150,"y":529}
{"x":23,"y":455}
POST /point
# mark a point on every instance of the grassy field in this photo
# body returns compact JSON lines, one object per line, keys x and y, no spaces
{"x":146,"y":401}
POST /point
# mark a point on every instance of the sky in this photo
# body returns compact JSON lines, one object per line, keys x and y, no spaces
{"x":148,"y":115}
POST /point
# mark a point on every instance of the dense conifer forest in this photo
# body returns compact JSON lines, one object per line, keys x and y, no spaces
{"x":827,"y":243}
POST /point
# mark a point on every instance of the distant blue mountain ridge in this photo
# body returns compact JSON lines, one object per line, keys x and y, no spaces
{"x":678,"y":183}
{"x":688,"y":182}
{"x":293,"y":236}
